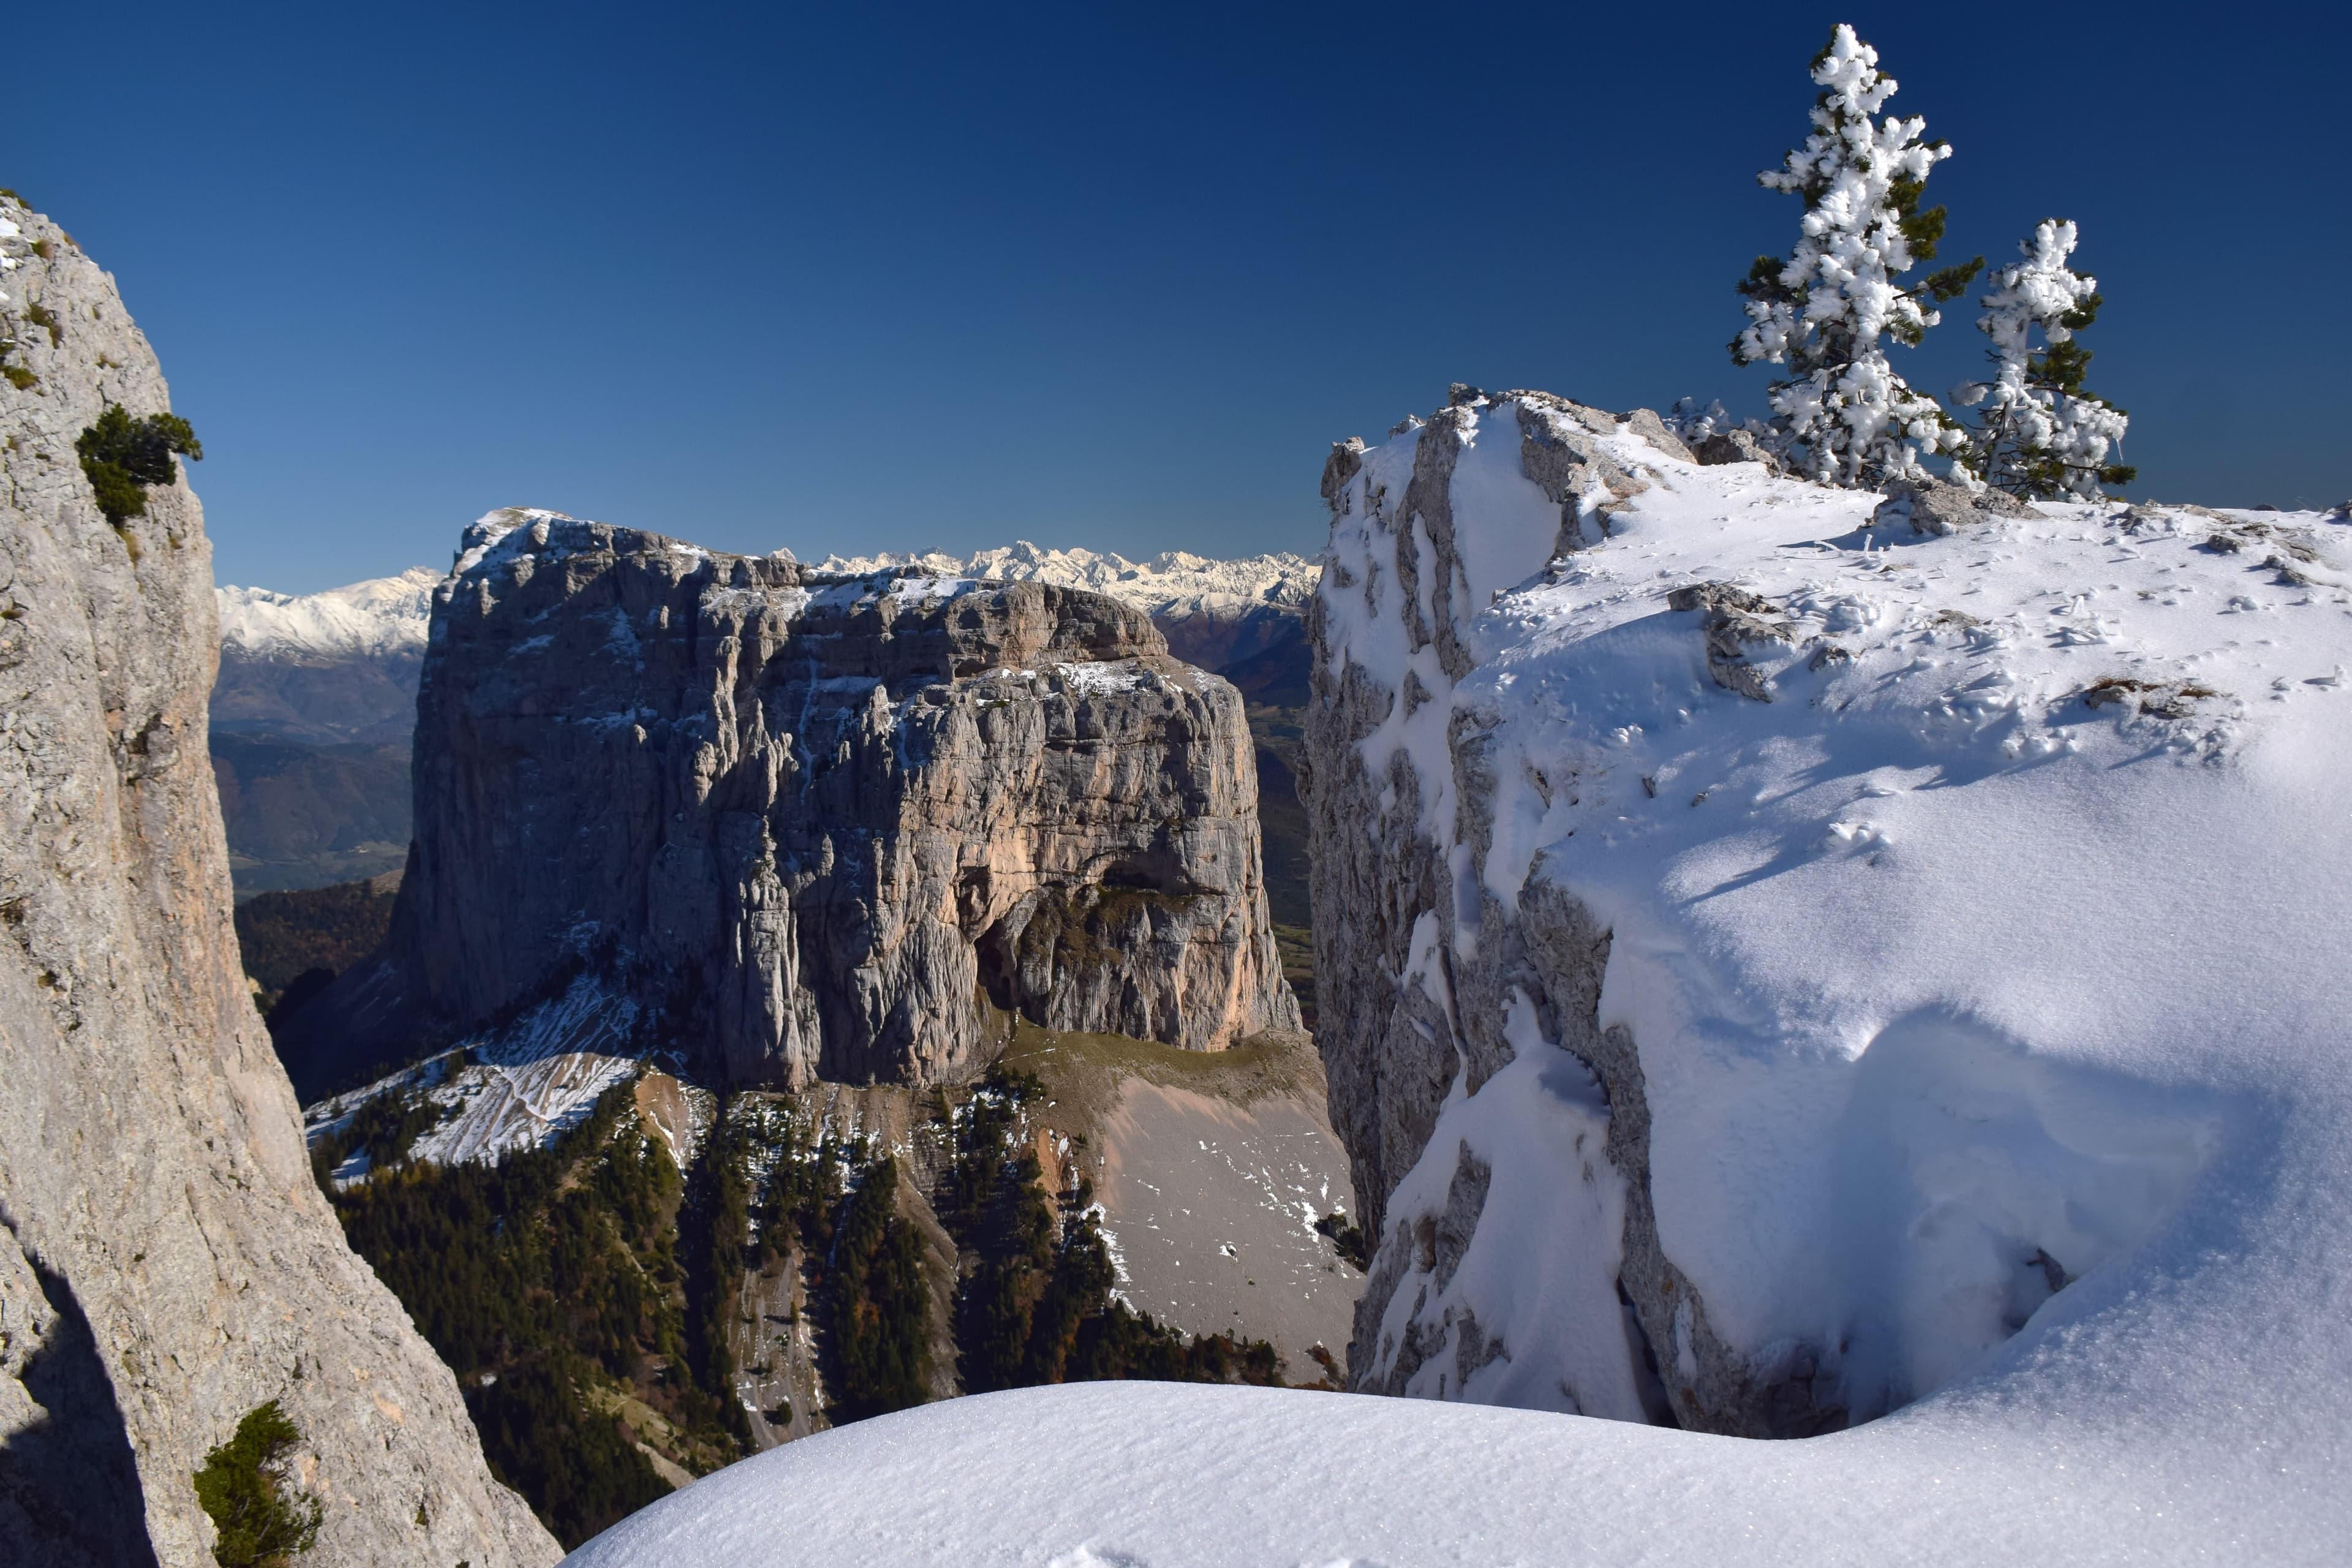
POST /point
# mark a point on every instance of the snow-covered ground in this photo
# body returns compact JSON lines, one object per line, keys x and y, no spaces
{"x":1990,"y":986}
{"x":520,"y":1087}
{"x":1954,"y":967}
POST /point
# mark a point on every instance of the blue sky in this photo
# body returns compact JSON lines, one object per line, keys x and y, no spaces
{"x":866,"y":277}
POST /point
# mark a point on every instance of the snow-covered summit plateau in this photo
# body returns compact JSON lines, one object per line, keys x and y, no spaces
{"x":1799,"y":974}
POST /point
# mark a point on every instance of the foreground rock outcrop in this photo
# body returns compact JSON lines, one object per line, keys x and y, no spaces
{"x":166,"y":1262}
{"x":1716,"y":882}
{"x":799,"y":826}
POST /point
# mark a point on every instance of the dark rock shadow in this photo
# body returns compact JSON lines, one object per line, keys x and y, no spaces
{"x":70,"y":1489}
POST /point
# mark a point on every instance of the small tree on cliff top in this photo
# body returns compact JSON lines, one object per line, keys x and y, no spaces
{"x":1843,"y":416}
{"x":2041,"y":435}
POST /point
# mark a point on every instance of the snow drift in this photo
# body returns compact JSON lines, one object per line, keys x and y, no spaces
{"x":1916,"y":919}
{"x":1790,"y":965}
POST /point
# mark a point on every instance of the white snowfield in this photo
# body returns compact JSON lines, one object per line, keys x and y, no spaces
{"x":1173,"y":584}
{"x":381,"y":615}
{"x":1998,"y":1045}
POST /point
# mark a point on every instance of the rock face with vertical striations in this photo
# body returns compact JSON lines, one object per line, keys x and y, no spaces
{"x":166,"y":1261}
{"x":800,"y":825}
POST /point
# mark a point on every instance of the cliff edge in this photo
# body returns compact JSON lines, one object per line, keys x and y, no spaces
{"x":166,"y":1262}
{"x":1792,"y":953}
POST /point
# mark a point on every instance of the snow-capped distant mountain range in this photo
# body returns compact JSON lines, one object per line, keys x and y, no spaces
{"x":1174,"y":583}
{"x":388,"y":614}
{"x":317,"y":692}
{"x":381,"y":615}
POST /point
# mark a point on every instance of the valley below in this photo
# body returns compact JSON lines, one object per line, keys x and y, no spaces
{"x":645,"y":1255}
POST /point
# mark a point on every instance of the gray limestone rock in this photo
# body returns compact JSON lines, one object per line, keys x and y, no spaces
{"x":1933,"y":506}
{"x":166,"y":1261}
{"x":1734,"y":447}
{"x":1418,"y":965}
{"x":1435,"y":1245}
{"x":1731,"y":619}
{"x":1390,"y":1038}
{"x":801,"y":826}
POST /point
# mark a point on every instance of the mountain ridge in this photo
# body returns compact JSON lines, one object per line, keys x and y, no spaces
{"x":375,"y":615}
{"x":380,"y":615}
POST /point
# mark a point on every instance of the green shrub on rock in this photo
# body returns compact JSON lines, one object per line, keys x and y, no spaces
{"x":243,"y":1487}
{"x":122,"y":456}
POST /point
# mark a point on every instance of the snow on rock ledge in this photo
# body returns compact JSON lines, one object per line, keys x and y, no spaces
{"x":1781,"y":966}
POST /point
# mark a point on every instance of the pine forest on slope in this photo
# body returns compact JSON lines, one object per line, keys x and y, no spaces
{"x":659,"y":1279}
{"x":673,"y":1280}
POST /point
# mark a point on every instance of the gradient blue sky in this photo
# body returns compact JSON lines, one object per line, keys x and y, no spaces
{"x":864,"y":278}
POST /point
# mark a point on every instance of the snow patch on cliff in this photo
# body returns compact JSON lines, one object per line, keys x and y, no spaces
{"x":518,"y":1088}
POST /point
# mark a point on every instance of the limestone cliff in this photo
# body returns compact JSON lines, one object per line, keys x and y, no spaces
{"x":1429,"y":985}
{"x":166,"y":1262}
{"x":1378,"y":866}
{"x":1699,"y":856}
{"x":798,"y":825}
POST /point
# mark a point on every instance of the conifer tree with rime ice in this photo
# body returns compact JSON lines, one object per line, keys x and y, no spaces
{"x":1843,"y":416}
{"x":2041,"y":435}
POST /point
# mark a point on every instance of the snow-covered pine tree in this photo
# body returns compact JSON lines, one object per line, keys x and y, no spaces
{"x":1844,"y":416}
{"x":2041,"y":435}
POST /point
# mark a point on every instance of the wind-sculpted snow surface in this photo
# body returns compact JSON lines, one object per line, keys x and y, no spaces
{"x":1920,"y":921}
{"x":1908,"y":980}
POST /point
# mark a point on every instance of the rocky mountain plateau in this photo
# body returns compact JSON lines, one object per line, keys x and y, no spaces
{"x":805,"y":825}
